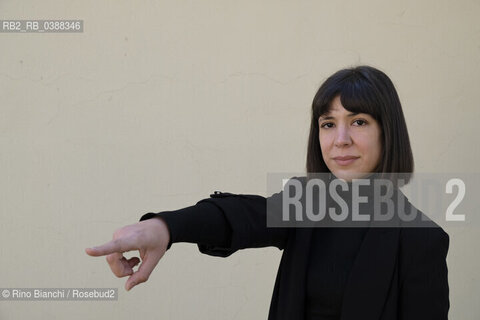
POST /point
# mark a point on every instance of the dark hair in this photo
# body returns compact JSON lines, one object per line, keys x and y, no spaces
{"x":364,"y":89}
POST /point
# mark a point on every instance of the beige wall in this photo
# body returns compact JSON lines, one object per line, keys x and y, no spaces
{"x":158,"y":103}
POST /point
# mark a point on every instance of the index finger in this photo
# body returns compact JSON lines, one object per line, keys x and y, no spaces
{"x":117,"y":245}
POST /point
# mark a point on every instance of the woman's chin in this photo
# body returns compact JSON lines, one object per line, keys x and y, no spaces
{"x":349,"y":175}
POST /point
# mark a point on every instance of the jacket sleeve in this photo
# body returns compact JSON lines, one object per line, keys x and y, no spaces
{"x":246,"y":216}
{"x":225,"y":223}
{"x":201,"y":223}
{"x":424,"y":290}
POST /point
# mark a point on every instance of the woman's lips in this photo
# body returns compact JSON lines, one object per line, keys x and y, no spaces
{"x":345,"y":161}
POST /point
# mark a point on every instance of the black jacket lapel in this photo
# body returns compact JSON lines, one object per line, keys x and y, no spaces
{"x":288,"y":301}
{"x":370,"y":278}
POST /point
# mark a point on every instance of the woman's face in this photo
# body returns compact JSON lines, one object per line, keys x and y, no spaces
{"x":350,"y":143}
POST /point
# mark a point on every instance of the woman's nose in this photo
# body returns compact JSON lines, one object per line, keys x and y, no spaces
{"x":343,"y":137}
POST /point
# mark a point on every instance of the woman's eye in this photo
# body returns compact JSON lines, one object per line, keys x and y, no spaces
{"x":360,"y":122}
{"x":327,"y":125}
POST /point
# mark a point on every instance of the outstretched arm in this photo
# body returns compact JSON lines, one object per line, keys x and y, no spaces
{"x":220,"y":225}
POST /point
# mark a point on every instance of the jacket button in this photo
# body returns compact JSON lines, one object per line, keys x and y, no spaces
{"x":216,"y":194}
{"x":219,"y":194}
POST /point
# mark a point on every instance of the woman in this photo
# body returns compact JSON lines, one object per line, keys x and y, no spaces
{"x":357,"y":129}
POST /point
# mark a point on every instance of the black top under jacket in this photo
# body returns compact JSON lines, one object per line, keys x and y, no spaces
{"x":326,"y":273}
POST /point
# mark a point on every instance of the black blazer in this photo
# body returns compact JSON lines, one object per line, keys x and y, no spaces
{"x":399,"y":273}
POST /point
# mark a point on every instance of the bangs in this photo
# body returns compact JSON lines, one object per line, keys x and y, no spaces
{"x":356,"y":95}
